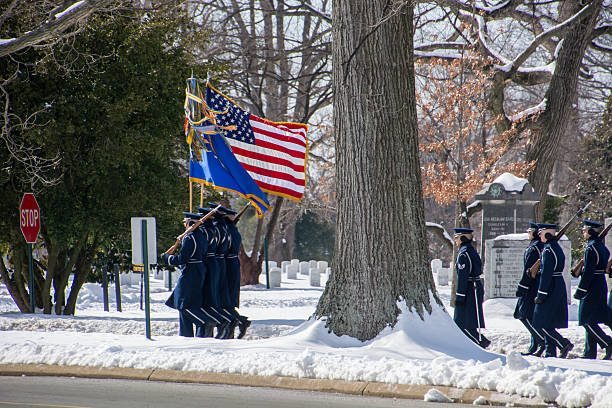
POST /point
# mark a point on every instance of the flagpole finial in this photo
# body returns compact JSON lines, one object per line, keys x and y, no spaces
{"x":207,"y":76}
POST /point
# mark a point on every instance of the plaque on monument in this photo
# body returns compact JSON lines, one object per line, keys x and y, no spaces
{"x":507,"y":207}
{"x":504,"y":267}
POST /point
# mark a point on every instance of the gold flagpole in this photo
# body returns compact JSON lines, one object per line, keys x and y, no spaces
{"x":190,"y":196}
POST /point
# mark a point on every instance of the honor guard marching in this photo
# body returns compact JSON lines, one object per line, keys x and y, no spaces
{"x":592,"y":292}
{"x":550,"y":312}
{"x":210,"y":290}
{"x":527,"y":290}
{"x":229,"y":282}
{"x":187,"y":294}
{"x":468,"y":301}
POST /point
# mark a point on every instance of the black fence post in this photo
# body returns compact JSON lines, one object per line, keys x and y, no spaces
{"x":117,"y":286}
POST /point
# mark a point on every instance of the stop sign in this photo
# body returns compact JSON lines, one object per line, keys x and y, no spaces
{"x":29,"y":217}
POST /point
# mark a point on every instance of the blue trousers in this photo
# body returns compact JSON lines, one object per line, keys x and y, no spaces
{"x":537,"y":336}
{"x":190,"y":317}
{"x":474,"y":336}
{"x":594,"y":336}
{"x":553,"y":341}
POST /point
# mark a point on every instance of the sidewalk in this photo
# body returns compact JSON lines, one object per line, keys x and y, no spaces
{"x":466,"y":396}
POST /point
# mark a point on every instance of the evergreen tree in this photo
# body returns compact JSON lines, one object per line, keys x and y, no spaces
{"x":114,"y":116}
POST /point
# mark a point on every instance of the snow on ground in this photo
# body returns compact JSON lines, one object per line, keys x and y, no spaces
{"x":284,"y":341}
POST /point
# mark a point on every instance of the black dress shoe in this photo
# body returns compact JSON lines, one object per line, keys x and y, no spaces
{"x":242,"y":327}
{"x":221,"y":330}
{"x":608,"y":355}
{"x":540,"y":350}
{"x":565,"y":350}
{"x":531,"y":350}
{"x":484,"y":343}
{"x":231,"y":328}
{"x":208,"y":329}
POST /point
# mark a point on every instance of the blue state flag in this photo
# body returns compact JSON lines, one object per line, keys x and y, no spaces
{"x":213,"y":163}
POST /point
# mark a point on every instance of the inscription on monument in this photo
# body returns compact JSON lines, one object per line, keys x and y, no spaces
{"x":504,"y":267}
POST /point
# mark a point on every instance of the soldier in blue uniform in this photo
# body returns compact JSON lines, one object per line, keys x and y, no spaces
{"x":550,"y":311}
{"x":592,"y":291}
{"x":227,"y":267}
{"x":187,"y":294}
{"x":470,"y":292}
{"x":527,"y":290}
{"x":232,"y":268}
{"x":210,"y":289}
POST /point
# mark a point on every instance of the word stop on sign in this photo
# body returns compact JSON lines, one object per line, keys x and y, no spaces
{"x":29,"y":218}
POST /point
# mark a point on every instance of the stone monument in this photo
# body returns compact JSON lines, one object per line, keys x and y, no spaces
{"x":504,"y":267}
{"x":507,"y":207}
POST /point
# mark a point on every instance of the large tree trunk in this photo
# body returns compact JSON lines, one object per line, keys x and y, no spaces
{"x":250,"y":266}
{"x":559,"y":96}
{"x":12,"y":285}
{"x":381,"y":250}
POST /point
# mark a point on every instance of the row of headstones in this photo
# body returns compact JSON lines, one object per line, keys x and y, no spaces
{"x":312,"y":269}
{"x":442,"y":274}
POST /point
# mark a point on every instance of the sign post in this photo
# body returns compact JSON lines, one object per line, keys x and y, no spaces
{"x":29,"y":220}
{"x":144,"y":253}
{"x":145,"y":262}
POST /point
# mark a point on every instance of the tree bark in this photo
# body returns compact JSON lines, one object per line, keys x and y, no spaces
{"x":250,"y":266}
{"x":559,"y":96}
{"x":11,"y":286}
{"x":380,"y":254}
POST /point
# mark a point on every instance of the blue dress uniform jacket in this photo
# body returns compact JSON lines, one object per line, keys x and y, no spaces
{"x":528,"y":286}
{"x":593,"y":289}
{"x":210,"y":291}
{"x":187,"y":293}
{"x":222,"y":250}
{"x":552,"y":313}
{"x":232,"y":263}
{"x":470,"y":292}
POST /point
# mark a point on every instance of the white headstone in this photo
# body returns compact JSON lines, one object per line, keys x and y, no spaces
{"x":443,"y":276}
{"x":304,"y":266}
{"x":272,"y":264}
{"x":275,"y":277}
{"x":328,"y":271}
{"x":292,"y":271}
{"x":313,"y":264}
{"x":503,"y":267}
{"x":315,"y":277}
{"x":322,"y":265}
{"x":295,"y":262}
{"x":435,"y":265}
{"x":175,"y":276}
{"x":284,"y":265}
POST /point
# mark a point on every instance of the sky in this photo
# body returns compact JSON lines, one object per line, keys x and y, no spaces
{"x":285,"y":341}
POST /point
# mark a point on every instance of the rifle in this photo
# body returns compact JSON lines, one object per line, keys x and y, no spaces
{"x":192,"y":228}
{"x":533,"y":271}
{"x":577,"y":270}
{"x":237,"y":217}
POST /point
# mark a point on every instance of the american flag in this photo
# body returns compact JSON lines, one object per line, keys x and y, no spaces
{"x":273,"y":153}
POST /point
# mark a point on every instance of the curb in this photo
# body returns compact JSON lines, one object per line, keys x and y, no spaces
{"x":372,"y":389}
